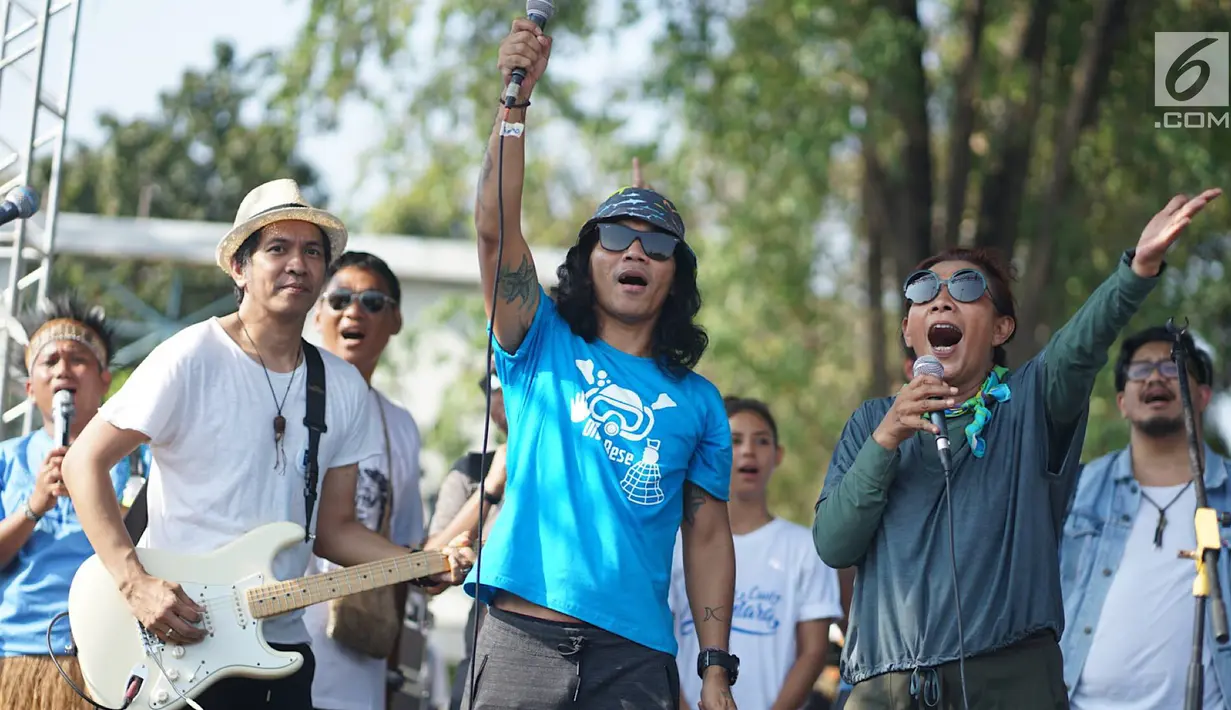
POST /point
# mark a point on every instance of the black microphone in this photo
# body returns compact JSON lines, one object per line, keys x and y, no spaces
{"x":538,"y":12}
{"x":62,"y":411}
{"x":929,"y":365}
{"x":20,"y":203}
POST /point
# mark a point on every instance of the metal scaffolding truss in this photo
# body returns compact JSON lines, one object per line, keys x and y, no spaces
{"x":38,"y":49}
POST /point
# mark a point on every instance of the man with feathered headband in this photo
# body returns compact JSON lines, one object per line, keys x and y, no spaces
{"x":41,"y":542}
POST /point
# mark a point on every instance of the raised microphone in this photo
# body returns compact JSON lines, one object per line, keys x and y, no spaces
{"x":20,"y":203}
{"x":929,"y":365}
{"x":62,"y":411}
{"x":538,"y":12}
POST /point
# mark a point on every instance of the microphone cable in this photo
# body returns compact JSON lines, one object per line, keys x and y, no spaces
{"x":957,"y":596}
{"x":487,"y":417}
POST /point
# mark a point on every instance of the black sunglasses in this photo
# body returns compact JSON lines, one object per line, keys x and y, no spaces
{"x":659,"y":246}
{"x":372,"y":301}
{"x":965,"y":286}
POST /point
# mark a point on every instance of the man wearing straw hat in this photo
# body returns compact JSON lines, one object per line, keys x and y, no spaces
{"x":222,"y":404}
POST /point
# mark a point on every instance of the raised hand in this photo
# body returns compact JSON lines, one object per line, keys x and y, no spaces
{"x":1162,"y":231}
{"x":526,"y":47}
{"x":919,"y":397}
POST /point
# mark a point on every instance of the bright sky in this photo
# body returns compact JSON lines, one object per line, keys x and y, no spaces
{"x":130,"y":50}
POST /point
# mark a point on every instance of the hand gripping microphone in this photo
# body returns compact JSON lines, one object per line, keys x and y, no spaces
{"x":62,"y":411}
{"x":20,"y":203}
{"x":929,"y":365}
{"x":538,"y":12}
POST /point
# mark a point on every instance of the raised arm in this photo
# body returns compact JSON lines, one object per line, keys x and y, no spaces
{"x":518,"y":298}
{"x":709,"y":577}
{"x":1079,"y":350}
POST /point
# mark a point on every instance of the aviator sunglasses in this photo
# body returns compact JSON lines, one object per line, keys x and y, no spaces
{"x":659,"y":246}
{"x":371,"y":301}
{"x":965,"y":286}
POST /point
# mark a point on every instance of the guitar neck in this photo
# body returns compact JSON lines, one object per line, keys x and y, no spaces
{"x":281,"y":597}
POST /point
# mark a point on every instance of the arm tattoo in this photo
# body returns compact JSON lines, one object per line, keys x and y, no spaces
{"x":694,"y":498}
{"x":712,"y":613}
{"x":486,"y":171}
{"x":518,"y":284}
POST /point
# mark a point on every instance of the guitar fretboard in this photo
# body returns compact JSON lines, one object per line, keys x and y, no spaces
{"x":281,"y":597}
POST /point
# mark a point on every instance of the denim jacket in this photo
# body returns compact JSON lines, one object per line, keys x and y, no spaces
{"x":1095,"y":533}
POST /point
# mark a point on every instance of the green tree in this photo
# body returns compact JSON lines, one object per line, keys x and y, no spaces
{"x":820,"y":149}
{"x":194,"y":159}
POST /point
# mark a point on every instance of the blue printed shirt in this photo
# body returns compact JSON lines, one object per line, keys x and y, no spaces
{"x":600,"y":445}
{"x":34,"y":585}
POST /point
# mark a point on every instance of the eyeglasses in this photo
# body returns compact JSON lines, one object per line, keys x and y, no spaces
{"x":1141,"y":369}
{"x":965,"y":286}
{"x":659,"y":246}
{"x":372,"y":301}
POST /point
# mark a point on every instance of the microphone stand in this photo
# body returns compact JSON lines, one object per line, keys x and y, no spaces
{"x":1206,"y":587}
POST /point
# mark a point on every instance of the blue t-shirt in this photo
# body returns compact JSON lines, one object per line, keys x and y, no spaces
{"x":600,"y":444}
{"x":34,"y":585}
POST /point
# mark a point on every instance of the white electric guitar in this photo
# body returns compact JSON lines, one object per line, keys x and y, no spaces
{"x":237,"y":589}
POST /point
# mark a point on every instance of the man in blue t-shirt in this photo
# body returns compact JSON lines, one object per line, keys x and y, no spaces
{"x":41,"y":542}
{"x":614,"y":445}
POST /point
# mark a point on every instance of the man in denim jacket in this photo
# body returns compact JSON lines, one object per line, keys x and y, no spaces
{"x":1128,"y":602}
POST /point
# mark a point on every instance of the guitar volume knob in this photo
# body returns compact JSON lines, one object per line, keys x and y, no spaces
{"x":177,"y":652}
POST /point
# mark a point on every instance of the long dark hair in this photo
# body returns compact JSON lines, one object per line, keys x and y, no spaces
{"x":678,"y":343}
{"x":999,"y":273}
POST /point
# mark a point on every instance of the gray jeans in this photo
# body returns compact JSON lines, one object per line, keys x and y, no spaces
{"x":524,"y":663}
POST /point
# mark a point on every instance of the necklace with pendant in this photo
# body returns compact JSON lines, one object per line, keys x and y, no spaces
{"x":279,"y":420}
{"x":1162,"y":514}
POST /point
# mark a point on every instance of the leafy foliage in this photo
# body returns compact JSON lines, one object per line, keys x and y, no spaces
{"x":818,"y":148}
{"x":193,"y":160}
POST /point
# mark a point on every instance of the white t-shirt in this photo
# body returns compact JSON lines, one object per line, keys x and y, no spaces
{"x":1139,"y":655}
{"x":779,"y":582}
{"x":346,"y":679}
{"x":217,"y":474}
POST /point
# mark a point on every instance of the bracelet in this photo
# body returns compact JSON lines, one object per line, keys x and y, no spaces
{"x":524,"y":104}
{"x":492,"y":498}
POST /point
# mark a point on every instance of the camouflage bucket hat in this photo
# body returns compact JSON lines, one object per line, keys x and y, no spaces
{"x":643,"y":204}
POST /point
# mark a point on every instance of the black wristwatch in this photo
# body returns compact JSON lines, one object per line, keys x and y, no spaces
{"x":717,"y":657}
{"x":492,"y":498}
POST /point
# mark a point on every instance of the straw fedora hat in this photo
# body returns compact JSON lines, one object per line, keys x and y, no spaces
{"x":278,"y":201}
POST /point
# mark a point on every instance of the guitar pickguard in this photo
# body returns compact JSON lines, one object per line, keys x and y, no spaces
{"x":233,"y":646}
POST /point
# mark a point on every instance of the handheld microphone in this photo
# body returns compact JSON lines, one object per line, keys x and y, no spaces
{"x":62,"y":411}
{"x":538,"y":12}
{"x":929,"y":365}
{"x":20,"y":203}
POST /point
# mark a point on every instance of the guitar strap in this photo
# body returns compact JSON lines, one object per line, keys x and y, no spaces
{"x":314,"y":419}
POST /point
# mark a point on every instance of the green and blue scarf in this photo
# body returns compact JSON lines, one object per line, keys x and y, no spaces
{"x":993,"y":389}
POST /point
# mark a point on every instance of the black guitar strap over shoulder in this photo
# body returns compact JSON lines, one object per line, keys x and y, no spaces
{"x":314,"y":419}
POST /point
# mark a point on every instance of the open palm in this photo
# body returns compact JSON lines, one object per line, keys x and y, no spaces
{"x":1162,"y":231}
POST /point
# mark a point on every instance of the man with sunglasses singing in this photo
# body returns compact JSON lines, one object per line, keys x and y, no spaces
{"x":614,"y":442}
{"x":1127,"y":595}
{"x":1015,"y":444}
{"x":356,"y":316}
